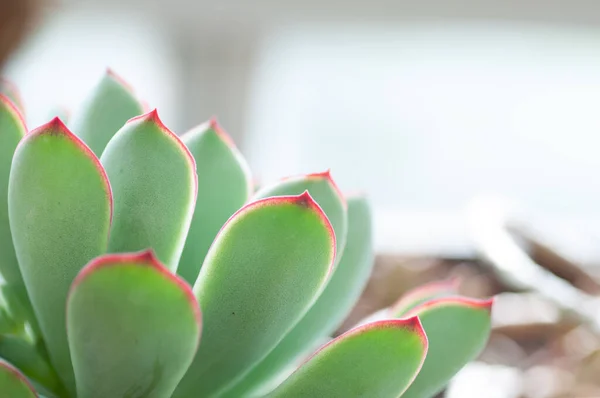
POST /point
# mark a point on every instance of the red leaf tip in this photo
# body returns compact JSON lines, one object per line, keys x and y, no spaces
{"x":214,"y":125}
{"x":146,"y":258}
{"x":152,"y":117}
{"x":326,"y":175}
{"x":57,"y":127}
{"x":111,"y":73}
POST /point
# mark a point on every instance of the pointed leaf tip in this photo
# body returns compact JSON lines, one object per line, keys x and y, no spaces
{"x":324,"y":175}
{"x":57,"y":127}
{"x":119,"y":79}
{"x":152,"y":117}
{"x":146,"y":258}
{"x":307,"y":201}
{"x":213,"y":123}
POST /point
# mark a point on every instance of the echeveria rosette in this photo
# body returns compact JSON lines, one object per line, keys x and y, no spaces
{"x":274,"y":279}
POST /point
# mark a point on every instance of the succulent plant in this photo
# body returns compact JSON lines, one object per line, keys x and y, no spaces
{"x":140,"y":264}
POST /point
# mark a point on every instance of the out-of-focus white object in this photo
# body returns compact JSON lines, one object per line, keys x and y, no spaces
{"x":489,"y":219}
{"x":426,"y":116}
{"x":477,"y":380}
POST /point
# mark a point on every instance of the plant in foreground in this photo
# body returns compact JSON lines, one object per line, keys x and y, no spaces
{"x":115,"y":235}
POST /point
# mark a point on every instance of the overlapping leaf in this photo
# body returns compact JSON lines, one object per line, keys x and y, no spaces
{"x":60,"y":209}
{"x":458,"y":329}
{"x":330,"y":309}
{"x":153,"y":177}
{"x":143,"y":331}
{"x":109,"y":106}
{"x":12,"y":129}
{"x":264,"y":270}
{"x":224,"y":185}
{"x":379,"y":359}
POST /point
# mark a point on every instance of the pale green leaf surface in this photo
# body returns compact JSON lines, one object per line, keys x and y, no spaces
{"x":330,"y":309}
{"x":143,"y":331}
{"x":153,"y":178}
{"x":224,"y":185}
{"x":105,"y":111}
{"x":379,"y":359}
{"x":60,"y":210}
{"x":458,"y":329}
{"x":264,"y":270}
{"x":12,"y":129}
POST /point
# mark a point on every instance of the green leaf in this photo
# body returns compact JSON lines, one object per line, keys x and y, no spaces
{"x":13,"y":384}
{"x":153,"y":177}
{"x":224,"y":185}
{"x":264,"y":270}
{"x":325,"y":192}
{"x":12,"y":129}
{"x":10,"y":91}
{"x":25,"y":355}
{"x":133,"y":327}
{"x":458,"y":329}
{"x":60,"y":209}
{"x":330,"y":309}
{"x":107,"y":109}
{"x":379,"y":359}
{"x":422,"y":294}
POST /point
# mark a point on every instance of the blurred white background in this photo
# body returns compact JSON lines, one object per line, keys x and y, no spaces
{"x":424,"y":106}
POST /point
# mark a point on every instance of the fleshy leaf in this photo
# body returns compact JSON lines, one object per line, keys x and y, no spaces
{"x":266,"y":267}
{"x":330,"y":309}
{"x":458,"y":329}
{"x":133,"y":327}
{"x":224,"y":185}
{"x":109,"y":106}
{"x":60,"y":209}
{"x":10,"y":91}
{"x":13,"y":384}
{"x":422,"y":294}
{"x":25,"y":355}
{"x":12,"y":130}
{"x":325,"y":192}
{"x":379,"y":359}
{"x":153,"y":177}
